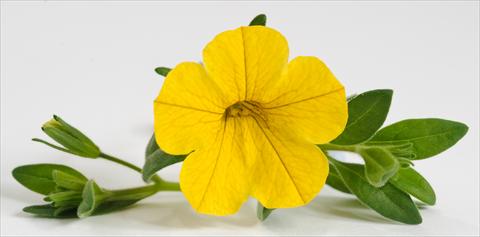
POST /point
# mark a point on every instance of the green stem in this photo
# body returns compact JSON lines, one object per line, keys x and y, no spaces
{"x":142,"y":192}
{"x":155,"y":178}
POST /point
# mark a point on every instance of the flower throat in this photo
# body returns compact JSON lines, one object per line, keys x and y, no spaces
{"x":243,"y":109}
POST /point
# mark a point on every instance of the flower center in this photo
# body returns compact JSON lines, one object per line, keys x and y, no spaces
{"x":243,"y":108}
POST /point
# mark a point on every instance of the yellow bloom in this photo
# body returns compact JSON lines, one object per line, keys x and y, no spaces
{"x":250,"y":121}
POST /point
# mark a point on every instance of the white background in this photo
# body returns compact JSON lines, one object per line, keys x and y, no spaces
{"x":92,"y":63}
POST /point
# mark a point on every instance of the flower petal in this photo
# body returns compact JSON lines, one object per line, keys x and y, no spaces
{"x":290,"y":172}
{"x":216,"y":179}
{"x":188,"y":109}
{"x":244,"y":60}
{"x":309,"y":100}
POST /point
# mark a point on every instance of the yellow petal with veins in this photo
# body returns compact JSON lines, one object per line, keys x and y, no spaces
{"x":290,"y":172}
{"x":217,"y":179}
{"x":244,"y":60}
{"x":188,"y":109}
{"x":308,"y":99}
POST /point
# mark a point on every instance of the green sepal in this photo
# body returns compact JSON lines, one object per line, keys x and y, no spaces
{"x":259,"y":20}
{"x":92,"y":197}
{"x":67,"y":181}
{"x":72,"y":140}
{"x":428,"y":137}
{"x":263,"y":212}
{"x":388,"y":201}
{"x":380,"y":165}
{"x":411,"y":182}
{"x":65,"y":196}
{"x":39,"y":177}
{"x":163,"y":71}
{"x":366,"y":114}
{"x":156,"y":159}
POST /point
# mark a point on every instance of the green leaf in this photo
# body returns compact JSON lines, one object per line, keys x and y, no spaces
{"x":92,"y":196}
{"x":151,"y":146}
{"x":51,"y":211}
{"x":260,"y":20}
{"x":388,"y":201}
{"x":429,"y":136}
{"x":410,"y":181}
{"x":67,"y":181}
{"x":366,"y":114}
{"x":162,"y":71}
{"x":380,"y":165}
{"x":156,"y":159}
{"x":111,"y":206}
{"x":263,"y":212}
{"x":39,"y":177}
{"x":335,"y":181}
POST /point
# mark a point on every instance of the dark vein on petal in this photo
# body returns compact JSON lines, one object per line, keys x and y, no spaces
{"x":216,"y":162}
{"x":244,"y":61}
{"x":280,"y":158}
{"x":310,"y":98}
{"x":187,"y":107}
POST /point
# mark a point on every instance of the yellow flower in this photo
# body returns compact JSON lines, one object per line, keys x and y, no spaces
{"x":250,"y":121}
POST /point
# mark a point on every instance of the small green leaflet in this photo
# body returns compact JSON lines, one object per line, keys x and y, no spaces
{"x":39,"y":177}
{"x":163,"y":71}
{"x":429,"y":136}
{"x":366,"y":114}
{"x":260,"y":20}
{"x":388,"y":201}
{"x":411,"y":182}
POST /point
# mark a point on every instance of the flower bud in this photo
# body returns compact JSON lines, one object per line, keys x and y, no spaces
{"x":70,"y":138}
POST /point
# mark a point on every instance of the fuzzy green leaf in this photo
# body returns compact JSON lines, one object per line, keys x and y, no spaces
{"x":388,"y":201}
{"x":156,"y":159}
{"x":39,"y":177}
{"x":429,"y":137}
{"x":411,"y":182}
{"x":366,"y":114}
